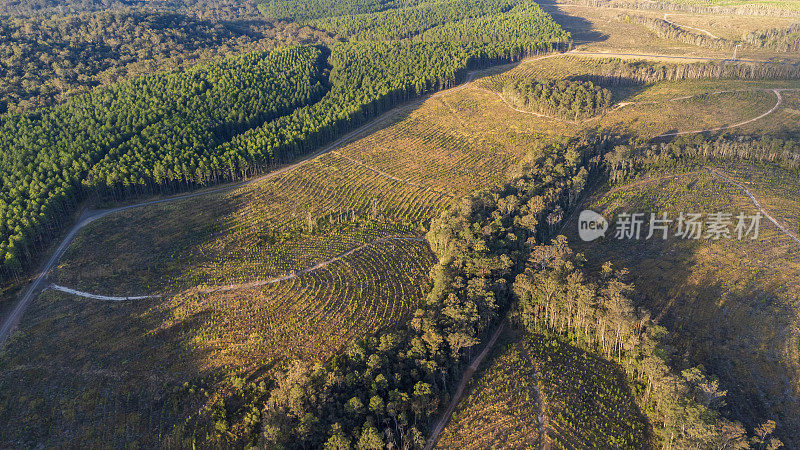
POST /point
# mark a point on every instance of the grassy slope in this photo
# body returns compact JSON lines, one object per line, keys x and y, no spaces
{"x":586,"y":402}
{"x":732,"y":305}
{"x":69,"y":375}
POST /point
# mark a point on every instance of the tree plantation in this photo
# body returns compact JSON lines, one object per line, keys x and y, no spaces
{"x":233,"y":135}
{"x":139,"y":136}
{"x":459,"y":21}
{"x":361,"y":224}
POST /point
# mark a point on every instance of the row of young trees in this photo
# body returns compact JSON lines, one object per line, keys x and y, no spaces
{"x":385,"y":390}
{"x":557,"y":295}
{"x":667,"y":30}
{"x":627,"y":161}
{"x":619,"y":72}
{"x":561,"y":98}
{"x":44,"y":60}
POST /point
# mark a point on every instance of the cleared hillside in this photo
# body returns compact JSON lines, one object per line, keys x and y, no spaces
{"x":731,"y":304}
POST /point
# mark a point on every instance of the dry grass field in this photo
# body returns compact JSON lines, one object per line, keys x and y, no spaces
{"x":601,"y":30}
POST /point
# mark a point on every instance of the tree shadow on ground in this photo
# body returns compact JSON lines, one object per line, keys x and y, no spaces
{"x":93,"y":387}
{"x":583,"y":31}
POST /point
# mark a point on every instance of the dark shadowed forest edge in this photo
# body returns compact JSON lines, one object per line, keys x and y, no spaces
{"x":341,"y":302}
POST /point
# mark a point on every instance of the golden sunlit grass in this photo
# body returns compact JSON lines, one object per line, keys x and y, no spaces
{"x":257,"y":232}
{"x":784,"y":121}
{"x":440,"y":146}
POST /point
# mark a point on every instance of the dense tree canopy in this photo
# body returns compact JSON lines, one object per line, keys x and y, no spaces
{"x":314,"y":9}
{"x":562,"y":98}
{"x":44,"y":60}
{"x":508,"y":21}
{"x":157,"y":129}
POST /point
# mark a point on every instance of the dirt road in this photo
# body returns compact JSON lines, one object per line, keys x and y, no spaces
{"x":476,"y":362}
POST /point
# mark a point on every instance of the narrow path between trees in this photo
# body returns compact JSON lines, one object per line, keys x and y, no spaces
{"x":476,"y":361}
{"x":687,"y":26}
{"x":541,"y":418}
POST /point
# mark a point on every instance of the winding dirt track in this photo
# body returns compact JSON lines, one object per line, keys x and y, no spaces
{"x":778,"y":103}
{"x":233,"y":287}
{"x":58,"y":287}
{"x":687,"y":26}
